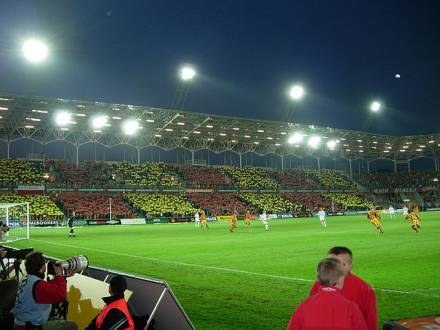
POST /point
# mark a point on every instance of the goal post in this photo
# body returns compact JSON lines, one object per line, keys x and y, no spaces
{"x":16,"y":217}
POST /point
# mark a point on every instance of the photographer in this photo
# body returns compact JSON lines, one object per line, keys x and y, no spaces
{"x":3,"y":230}
{"x":35,"y":296}
{"x":8,"y":291}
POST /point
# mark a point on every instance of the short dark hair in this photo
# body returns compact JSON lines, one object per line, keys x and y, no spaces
{"x":329,"y":271}
{"x":118,"y":284}
{"x":33,"y":262}
{"x":337,"y":250}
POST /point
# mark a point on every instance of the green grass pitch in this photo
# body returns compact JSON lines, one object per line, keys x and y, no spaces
{"x":253,"y":279}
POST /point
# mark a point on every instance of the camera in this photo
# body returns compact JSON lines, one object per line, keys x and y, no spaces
{"x":72,"y":265}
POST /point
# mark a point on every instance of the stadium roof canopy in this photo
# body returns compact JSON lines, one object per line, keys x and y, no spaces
{"x":33,"y":118}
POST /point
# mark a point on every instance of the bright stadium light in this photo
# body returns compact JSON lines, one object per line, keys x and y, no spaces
{"x":296,"y":138}
{"x":130,"y":127}
{"x":332,"y":144}
{"x":187,"y":73}
{"x":98,"y":121}
{"x":34,"y":50}
{"x":314,"y":141}
{"x":296,"y":92}
{"x":63,"y":118}
{"x":375,"y":106}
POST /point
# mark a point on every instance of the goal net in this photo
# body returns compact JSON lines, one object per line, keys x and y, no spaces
{"x":16,"y":217}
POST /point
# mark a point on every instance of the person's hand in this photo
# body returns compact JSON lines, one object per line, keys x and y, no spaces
{"x":57,"y":269}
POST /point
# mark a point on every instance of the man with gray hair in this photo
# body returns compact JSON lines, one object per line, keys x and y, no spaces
{"x":328,"y":309}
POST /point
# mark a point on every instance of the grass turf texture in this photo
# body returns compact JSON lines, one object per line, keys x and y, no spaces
{"x":253,"y":279}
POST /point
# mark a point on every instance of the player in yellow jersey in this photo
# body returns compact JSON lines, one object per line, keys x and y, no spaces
{"x":203,"y":222}
{"x":247,"y":219}
{"x":414,"y":218}
{"x":233,"y":222}
{"x":374,"y":218}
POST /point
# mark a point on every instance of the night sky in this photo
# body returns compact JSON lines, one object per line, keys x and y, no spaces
{"x":247,"y":53}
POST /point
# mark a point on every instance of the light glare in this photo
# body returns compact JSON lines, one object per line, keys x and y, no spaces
{"x":63,"y":118}
{"x":296,"y":138}
{"x":187,"y":73}
{"x":314,"y":141}
{"x":296,"y":92}
{"x":34,"y":50}
{"x":130,"y":127}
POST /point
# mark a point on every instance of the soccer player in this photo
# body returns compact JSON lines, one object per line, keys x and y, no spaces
{"x":374,"y":218}
{"x":233,"y":222}
{"x":414,"y":218}
{"x":265,"y":220}
{"x":391,"y":211}
{"x":354,"y":289}
{"x":197,"y":220}
{"x":70,"y":225}
{"x":247,"y":219}
{"x":321,"y":215}
{"x":203,"y":220}
{"x":405,"y":210}
{"x":328,"y":308}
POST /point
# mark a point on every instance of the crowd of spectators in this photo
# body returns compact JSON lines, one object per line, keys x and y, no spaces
{"x":311,"y":202}
{"x":13,"y":172}
{"x":148,"y":175}
{"x":295,"y":178}
{"x":350,"y":201}
{"x":93,"y":205}
{"x":162,"y":204}
{"x":333,"y":179}
{"x":392,"y":181}
{"x":220,"y":203}
{"x":86,"y":174}
{"x":251,"y":178}
{"x":41,"y":207}
{"x":203,"y":176}
{"x":271,"y":203}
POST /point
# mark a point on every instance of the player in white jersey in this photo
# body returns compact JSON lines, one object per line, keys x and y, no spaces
{"x":391,"y":211}
{"x":197,"y":220}
{"x":265,"y":220}
{"x":405,"y":211}
{"x":321,"y":215}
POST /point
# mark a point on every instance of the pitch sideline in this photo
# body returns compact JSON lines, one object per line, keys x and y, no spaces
{"x":230,"y":270}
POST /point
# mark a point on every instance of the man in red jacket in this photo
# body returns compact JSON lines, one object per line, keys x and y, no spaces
{"x":115,"y":315}
{"x":355,"y":289}
{"x":328,"y":309}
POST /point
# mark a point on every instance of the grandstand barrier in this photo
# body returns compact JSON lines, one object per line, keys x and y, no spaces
{"x":133,"y":221}
{"x":180,"y":219}
{"x":103,"y":222}
{"x":157,"y":220}
{"x":44,"y":223}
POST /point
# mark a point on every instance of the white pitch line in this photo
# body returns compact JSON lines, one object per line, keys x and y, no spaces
{"x":230,"y":270}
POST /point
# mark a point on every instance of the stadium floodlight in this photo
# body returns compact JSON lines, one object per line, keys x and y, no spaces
{"x":130,"y":127}
{"x":187,"y":73}
{"x":296,"y":138}
{"x":34,"y":50}
{"x":314,"y":141}
{"x":331,"y":144}
{"x":63,"y":118}
{"x":375,"y":106}
{"x":98,"y":121}
{"x":296,"y":92}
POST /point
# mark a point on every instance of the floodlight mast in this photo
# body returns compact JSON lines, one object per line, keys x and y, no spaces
{"x":186,"y":75}
{"x":35,"y":51}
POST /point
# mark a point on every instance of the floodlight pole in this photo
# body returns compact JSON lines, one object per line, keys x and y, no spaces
{"x":240,"y":155}
{"x":282,"y":162}
{"x":351,"y":170}
{"x":110,"y":207}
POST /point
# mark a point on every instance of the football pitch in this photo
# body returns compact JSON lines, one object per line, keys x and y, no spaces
{"x":253,"y":279}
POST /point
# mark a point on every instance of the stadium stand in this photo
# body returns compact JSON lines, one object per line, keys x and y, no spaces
{"x":94,"y":174}
{"x":41,"y":207}
{"x":94,"y":205}
{"x":349,"y":201}
{"x":311,"y":202}
{"x":13,"y":172}
{"x":203,"y":177}
{"x":271,"y":203}
{"x":147,"y":175}
{"x":333,"y":179}
{"x":220,"y":203}
{"x":415,"y":180}
{"x":295,"y":178}
{"x":157,"y":204}
{"x":251,"y":177}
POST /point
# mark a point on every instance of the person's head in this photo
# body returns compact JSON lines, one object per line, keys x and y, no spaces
{"x":117,"y":285}
{"x":344,"y":255}
{"x":415,"y":208}
{"x":35,"y":263}
{"x":330,"y":273}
